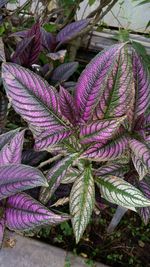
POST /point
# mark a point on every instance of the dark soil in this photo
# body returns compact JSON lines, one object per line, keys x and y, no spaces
{"x":129,"y":245}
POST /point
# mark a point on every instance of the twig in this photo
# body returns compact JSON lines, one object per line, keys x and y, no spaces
{"x":46,"y":162}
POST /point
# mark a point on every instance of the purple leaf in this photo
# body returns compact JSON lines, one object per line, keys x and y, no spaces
{"x":67,"y":106}
{"x":35,"y":47}
{"x":113,"y":168}
{"x":3,"y":109}
{"x":6,"y":137}
{"x":16,"y":177}
{"x":28,"y":49}
{"x":116,"y":98}
{"x":70,"y":31}
{"x":141,"y":151}
{"x":55,"y":176}
{"x":33,"y":158}
{"x":142,"y":83}
{"x":24,"y":213}
{"x":99,"y":130}
{"x":145,"y":212}
{"x":50,"y":137}
{"x":64,"y":71}
{"x":20,"y":55}
{"x":109,"y":151}
{"x":93,"y":80}
{"x":48,"y":40}
{"x":11,"y":152}
{"x":37,"y":102}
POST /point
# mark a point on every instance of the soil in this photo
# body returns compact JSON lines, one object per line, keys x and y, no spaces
{"x":128,"y":245}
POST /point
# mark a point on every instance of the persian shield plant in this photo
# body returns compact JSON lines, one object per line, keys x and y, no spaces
{"x":100,"y":133}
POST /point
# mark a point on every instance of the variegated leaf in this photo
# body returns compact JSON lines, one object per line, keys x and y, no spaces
{"x":141,"y":151}
{"x":139,"y":166}
{"x":11,"y":152}
{"x":120,"y":192}
{"x":82,"y":199}
{"x":142,"y":84}
{"x":99,"y":130}
{"x":145,"y":211}
{"x":17,"y":177}
{"x":24,"y":213}
{"x":113,"y":169}
{"x":109,"y":151}
{"x":116,"y":97}
{"x":37,"y":102}
{"x":93,"y":81}
{"x":2,"y":52}
{"x":54,"y":177}
{"x":71,"y":175}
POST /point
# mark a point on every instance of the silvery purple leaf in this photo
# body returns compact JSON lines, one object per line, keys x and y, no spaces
{"x":109,"y":151}
{"x":33,"y":158}
{"x":67,"y":105}
{"x":46,"y":139}
{"x":145,"y":212}
{"x":17,"y":177}
{"x":37,"y":102}
{"x":70,"y":31}
{"x":93,"y":80}
{"x":141,"y":151}
{"x":64,"y":71}
{"x":48,"y":40}
{"x":3,"y":109}
{"x":2,"y":51}
{"x":24,"y":213}
{"x":142,"y":83}
{"x":6,"y":137}
{"x":55,"y":176}
{"x":99,"y":130}
{"x":117,"y":96}
{"x":112,"y":168}
{"x":11,"y":152}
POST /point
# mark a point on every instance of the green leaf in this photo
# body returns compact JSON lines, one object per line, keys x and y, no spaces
{"x":122,"y":193}
{"x":82,"y":202}
{"x":91,"y":2}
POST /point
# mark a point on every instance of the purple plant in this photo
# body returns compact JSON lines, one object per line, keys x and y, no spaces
{"x":19,"y":211}
{"x":101,"y":135}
